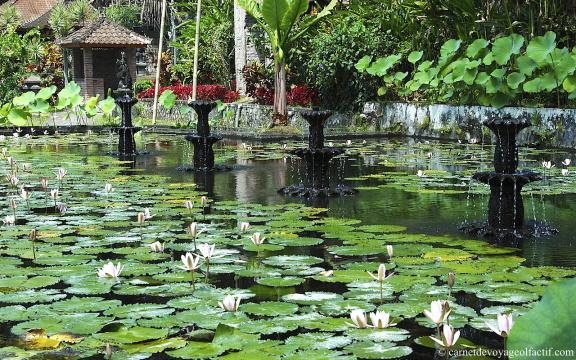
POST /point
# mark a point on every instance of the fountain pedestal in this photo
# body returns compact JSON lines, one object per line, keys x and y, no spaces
{"x":505,"y":207}
{"x":203,"y":140}
{"x":126,"y":131}
{"x":317,"y":158}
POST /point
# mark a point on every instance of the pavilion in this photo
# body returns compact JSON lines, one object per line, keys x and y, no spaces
{"x":95,"y":49}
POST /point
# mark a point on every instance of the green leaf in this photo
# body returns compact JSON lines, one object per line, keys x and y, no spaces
{"x":526,"y":65}
{"x":18,"y":116}
{"x":504,"y":47}
{"x":39,"y":106}
{"x":550,"y":324}
{"x":381,"y":66}
{"x":273,"y":11}
{"x":415,"y":56}
{"x":474,"y":49}
{"x":515,"y":79}
{"x":363,"y":63}
{"x":449,"y":49}
{"x":107,"y":106}
{"x":25,"y":99}
{"x":540,"y":48}
{"x":167,"y":99}
{"x":46,"y":93}
{"x":569,"y":84}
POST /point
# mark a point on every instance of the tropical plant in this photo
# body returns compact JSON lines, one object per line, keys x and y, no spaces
{"x":492,"y":73}
{"x":15,"y":55}
{"x":216,"y":50}
{"x":65,"y":16}
{"x":284,"y":22}
{"x":125,"y":15}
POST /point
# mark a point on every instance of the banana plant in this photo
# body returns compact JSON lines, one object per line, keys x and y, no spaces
{"x":284,"y":21}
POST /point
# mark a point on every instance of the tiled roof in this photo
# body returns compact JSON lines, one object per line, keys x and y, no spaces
{"x":33,"y":12}
{"x":103,"y":33}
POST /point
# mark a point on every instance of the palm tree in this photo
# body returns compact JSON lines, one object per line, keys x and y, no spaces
{"x":278,"y":18}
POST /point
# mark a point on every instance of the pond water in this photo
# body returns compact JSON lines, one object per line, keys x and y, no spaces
{"x":290,"y":308}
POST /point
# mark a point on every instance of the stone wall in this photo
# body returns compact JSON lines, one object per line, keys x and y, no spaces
{"x":552,"y":127}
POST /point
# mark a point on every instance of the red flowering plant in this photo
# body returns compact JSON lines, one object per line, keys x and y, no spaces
{"x":212,"y":92}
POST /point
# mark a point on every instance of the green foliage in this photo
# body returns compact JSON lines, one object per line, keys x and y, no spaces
{"x":66,"y":15}
{"x":216,"y":57}
{"x":15,"y":55}
{"x":125,"y":15}
{"x":549,"y":325}
{"x":167,"y":99}
{"x":142,"y":85}
{"x":499,"y":73}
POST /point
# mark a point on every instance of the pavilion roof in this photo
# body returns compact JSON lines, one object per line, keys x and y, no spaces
{"x":33,"y":12}
{"x":102,"y":33}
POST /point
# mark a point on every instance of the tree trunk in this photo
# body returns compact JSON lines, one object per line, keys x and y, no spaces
{"x":280,"y":117}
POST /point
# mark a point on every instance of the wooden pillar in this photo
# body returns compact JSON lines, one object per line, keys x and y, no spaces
{"x":89,"y":89}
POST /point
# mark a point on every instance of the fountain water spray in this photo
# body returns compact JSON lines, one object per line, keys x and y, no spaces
{"x":317,"y":158}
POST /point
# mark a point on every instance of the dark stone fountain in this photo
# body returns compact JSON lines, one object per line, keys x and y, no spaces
{"x":505,"y":207}
{"x":125,"y":101}
{"x":203,"y":140}
{"x":317,"y":158}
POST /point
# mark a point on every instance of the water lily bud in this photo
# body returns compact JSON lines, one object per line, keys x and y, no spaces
{"x":390,"y":250}
{"x":141,"y":218}
{"x":108,"y":351}
{"x":189,"y":204}
{"x":451,"y":279}
{"x":203,"y":201}
{"x":33,"y":234}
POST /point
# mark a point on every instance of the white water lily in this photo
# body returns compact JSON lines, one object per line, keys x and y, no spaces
{"x":44,"y":183}
{"x":147,"y":214}
{"x":141,"y":218}
{"x":13,"y":179}
{"x":243,"y":226}
{"x":257,"y":239}
{"x":381,"y":275}
{"x":191,"y":262}
{"x":420,"y":173}
{"x":547,"y":165}
{"x":157,"y":246}
{"x":11,"y":161}
{"x":189,"y":204}
{"x":9,"y":220}
{"x":62,"y":208}
{"x":207,"y":250}
{"x":61,"y":173}
{"x":110,"y":271}
{"x":380,"y":320}
{"x":230,"y":303}
{"x":438,"y":312}
{"x":194,"y":230}
{"x":390,"y":250}
{"x":26,"y":166}
{"x":473,"y":140}
{"x":330,"y":144}
{"x":359,"y":319}
{"x":565,"y":172}
{"x":2,"y":137}
{"x":449,"y":337}
{"x":54,"y":194}
{"x":429,"y":155}
{"x":505,"y":323}
{"x":327,"y":273}
{"x":348,"y":142}
{"x":566,"y":162}
{"x":13,"y":203}
{"x":108,"y":188}
{"x":203,"y":201}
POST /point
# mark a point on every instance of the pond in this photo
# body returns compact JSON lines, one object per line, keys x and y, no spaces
{"x":297,"y":288}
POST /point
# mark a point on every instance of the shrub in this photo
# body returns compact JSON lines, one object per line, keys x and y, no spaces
{"x":143,"y":85}
{"x":212,"y":92}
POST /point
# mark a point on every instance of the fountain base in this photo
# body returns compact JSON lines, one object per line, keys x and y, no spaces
{"x":317,"y":175}
{"x":126,"y":143}
{"x":508,"y":237}
{"x":203,"y":153}
{"x":506,"y":207}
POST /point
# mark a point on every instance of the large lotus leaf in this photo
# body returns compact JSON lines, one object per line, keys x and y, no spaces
{"x":131,"y":335}
{"x":269,"y":308}
{"x":540,"y":48}
{"x":77,"y":323}
{"x":379,"y":350}
{"x":475,"y":48}
{"x":504,"y":47}
{"x":549,"y":325}
{"x":139,"y":311}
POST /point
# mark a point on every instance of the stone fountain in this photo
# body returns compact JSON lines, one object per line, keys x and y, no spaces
{"x":203,"y":140}
{"x":317,"y":158}
{"x":125,"y":101}
{"x":505,"y":207}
